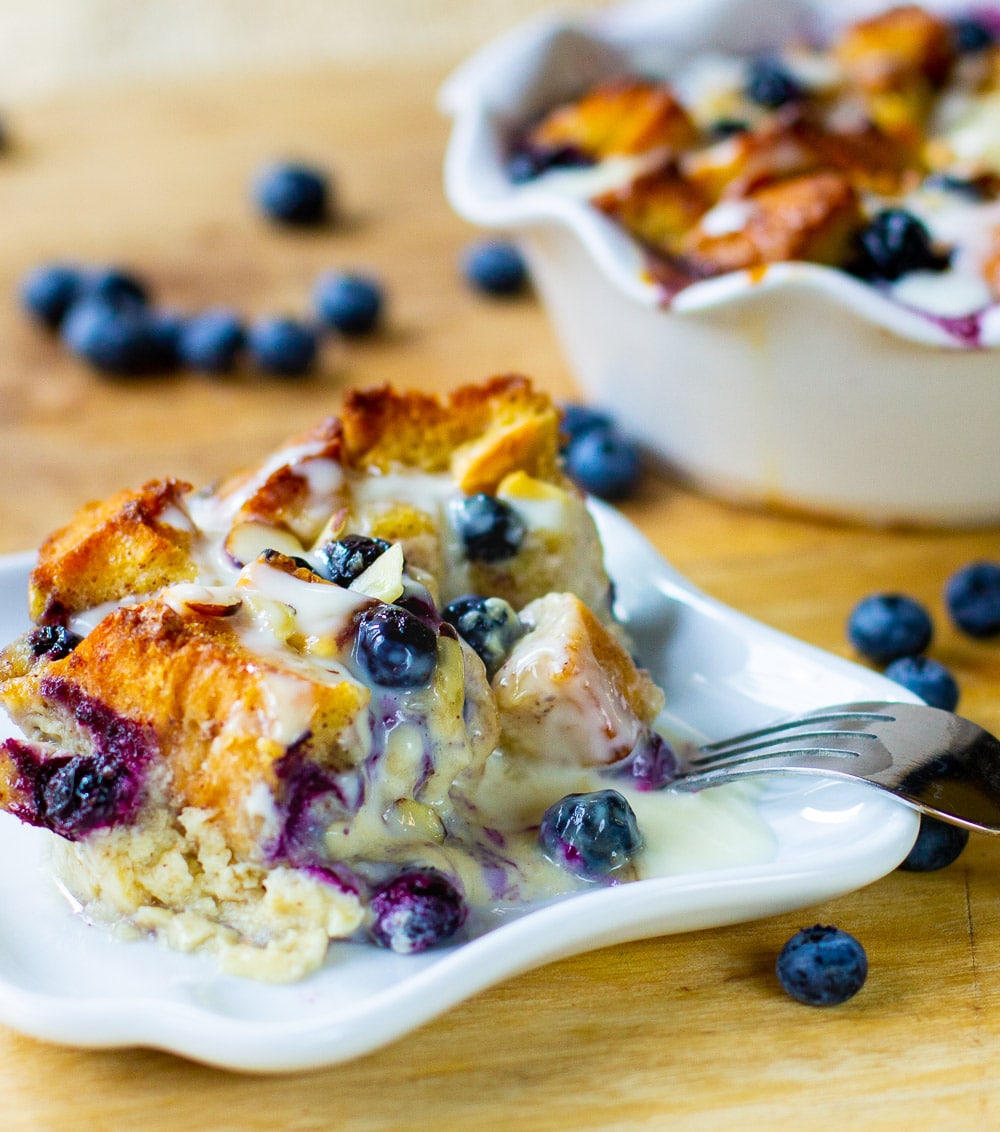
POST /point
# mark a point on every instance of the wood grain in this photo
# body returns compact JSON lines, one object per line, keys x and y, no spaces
{"x":689,"y":1031}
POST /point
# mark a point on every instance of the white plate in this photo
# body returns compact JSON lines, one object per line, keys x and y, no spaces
{"x":64,"y":980}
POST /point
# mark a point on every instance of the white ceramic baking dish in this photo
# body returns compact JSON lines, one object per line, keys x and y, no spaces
{"x":799,"y":386}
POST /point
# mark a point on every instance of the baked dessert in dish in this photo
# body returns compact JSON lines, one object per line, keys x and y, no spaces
{"x":331,"y":696}
{"x":873,"y":151}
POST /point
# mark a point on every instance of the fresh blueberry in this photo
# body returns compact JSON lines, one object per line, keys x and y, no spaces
{"x":489,"y":625}
{"x":348,"y":302}
{"x":293,"y":194}
{"x":528,"y":162}
{"x":938,"y":844}
{"x":490,"y":529}
{"x":972,"y":597}
{"x":604,"y":462}
{"x":495,"y":267}
{"x":770,"y":84}
{"x":928,"y":678}
{"x":395,"y":648}
{"x":81,"y":795}
{"x":822,"y":966}
{"x":886,"y":626}
{"x":893,"y":244}
{"x":416,"y":910}
{"x":211,"y":341}
{"x":166,"y":328}
{"x":116,"y":339}
{"x":52,"y":641}
{"x":578,"y":419}
{"x":592,"y":835}
{"x":350,"y":557}
{"x":971,"y":35}
{"x":974,"y":189}
{"x":651,"y":765}
{"x":48,"y":291}
{"x":116,"y":286}
{"x":283,"y":346}
{"x":723,"y":128}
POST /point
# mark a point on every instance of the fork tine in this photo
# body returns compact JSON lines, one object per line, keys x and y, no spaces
{"x":777,"y":747}
{"x":795,"y":724}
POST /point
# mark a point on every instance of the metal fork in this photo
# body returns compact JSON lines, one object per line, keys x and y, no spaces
{"x":938,"y":762}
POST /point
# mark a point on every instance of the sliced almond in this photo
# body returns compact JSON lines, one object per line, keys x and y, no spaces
{"x":246,"y":541}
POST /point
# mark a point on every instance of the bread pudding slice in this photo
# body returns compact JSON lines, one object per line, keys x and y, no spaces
{"x":286,"y":697}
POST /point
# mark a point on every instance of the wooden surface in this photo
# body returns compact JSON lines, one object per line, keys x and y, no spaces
{"x":690,"y":1031}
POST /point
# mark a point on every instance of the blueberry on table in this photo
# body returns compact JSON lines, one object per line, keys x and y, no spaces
{"x":114,"y":339}
{"x":886,"y":626}
{"x":592,"y":835}
{"x":927,"y":678}
{"x":822,"y":966}
{"x":282,"y":346}
{"x":603,"y":462}
{"x":417,"y":909}
{"x":292,"y":193}
{"x":894,"y":244}
{"x":48,"y":291}
{"x":495,"y":267}
{"x":115,"y":285}
{"x":972,"y":597}
{"x":578,"y":419}
{"x":489,"y":625}
{"x":348,"y":558}
{"x":770,"y":84}
{"x":166,"y":328}
{"x":212,"y":340}
{"x":348,"y":302}
{"x":396,"y":648}
{"x":490,"y":529}
{"x":938,"y":845}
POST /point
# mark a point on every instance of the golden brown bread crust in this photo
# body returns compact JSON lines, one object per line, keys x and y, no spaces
{"x":896,"y":48}
{"x":659,"y":207}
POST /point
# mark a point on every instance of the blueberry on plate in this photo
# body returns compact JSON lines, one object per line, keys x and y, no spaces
{"x":49,"y":290}
{"x":489,"y":625}
{"x":972,"y":597}
{"x":822,"y":966}
{"x":927,"y":678}
{"x":971,"y":35}
{"x":886,"y":626}
{"x":723,"y":128}
{"x":604,"y":462}
{"x":490,"y":529}
{"x":282,"y":346}
{"x":417,"y":909}
{"x":348,"y":558}
{"x":592,"y":835}
{"x":894,"y":244}
{"x":529,"y":161}
{"x":495,"y":267}
{"x":938,"y":844}
{"x":348,"y":302}
{"x":212,"y":340}
{"x":292,"y":193}
{"x":112,"y":338}
{"x":396,"y":648}
{"x":770,"y":84}
{"x":651,"y":765}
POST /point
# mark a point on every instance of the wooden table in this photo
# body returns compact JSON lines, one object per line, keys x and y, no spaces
{"x":690,"y":1031}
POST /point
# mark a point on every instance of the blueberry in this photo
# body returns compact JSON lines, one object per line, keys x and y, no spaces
{"x":724,"y":128}
{"x":592,"y":835}
{"x":495,"y":267}
{"x":416,"y":910}
{"x":893,"y":244}
{"x":651,"y":765}
{"x":489,"y":625}
{"x":350,"y":557}
{"x":528,"y":162}
{"x":396,"y":648}
{"x":211,"y":341}
{"x":971,"y":35}
{"x":348,"y":302}
{"x":769,"y":83}
{"x":80,"y":795}
{"x":166,"y":328}
{"x":114,"y":339}
{"x":578,"y":419}
{"x":283,"y":346}
{"x":293,"y":194}
{"x":972,"y":597}
{"x":886,"y":626}
{"x":48,"y":291}
{"x":116,"y":286}
{"x":490,"y":529}
{"x":938,"y":844}
{"x":974,"y":189}
{"x":604,"y":462}
{"x":928,"y":678}
{"x":52,"y":641}
{"x":822,"y":966}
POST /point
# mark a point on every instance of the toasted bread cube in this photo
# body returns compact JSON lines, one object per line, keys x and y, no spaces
{"x":894,"y":47}
{"x":625,"y":117}
{"x":658,"y":208}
